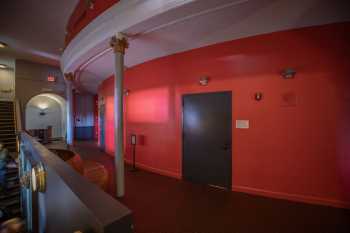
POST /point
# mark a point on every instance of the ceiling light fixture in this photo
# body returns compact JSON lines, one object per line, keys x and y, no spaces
{"x":3,"y":66}
{"x":203,"y":81}
{"x":2,"y":45}
{"x":288,"y":73}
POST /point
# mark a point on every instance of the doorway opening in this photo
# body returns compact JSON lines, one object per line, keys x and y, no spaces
{"x":45,"y":117}
{"x":207,"y":139}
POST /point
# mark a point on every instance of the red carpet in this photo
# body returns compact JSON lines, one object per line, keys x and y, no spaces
{"x":165,"y":205}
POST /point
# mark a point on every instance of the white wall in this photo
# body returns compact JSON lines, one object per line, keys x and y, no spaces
{"x":54,"y":115}
{"x":7,"y":79}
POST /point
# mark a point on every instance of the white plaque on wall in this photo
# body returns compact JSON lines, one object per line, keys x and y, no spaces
{"x":242,"y":124}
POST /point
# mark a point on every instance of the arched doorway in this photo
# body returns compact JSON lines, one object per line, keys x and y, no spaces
{"x":46,"y":111}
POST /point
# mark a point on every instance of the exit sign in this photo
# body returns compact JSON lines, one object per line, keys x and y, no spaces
{"x":51,"y":78}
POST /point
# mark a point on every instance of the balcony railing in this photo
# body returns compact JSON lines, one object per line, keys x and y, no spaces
{"x":55,"y":198}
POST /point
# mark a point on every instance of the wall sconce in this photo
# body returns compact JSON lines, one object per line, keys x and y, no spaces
{"x":3,"y":45}
{"x":288,"y":73}
{"x":258,"y":96}
{"x":90,"y":4}
{"x":126,"y":92}
{"x":203,"y":81}
{"x":3,"y":66}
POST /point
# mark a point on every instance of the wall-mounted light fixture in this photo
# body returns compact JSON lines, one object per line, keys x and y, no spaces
{"x":90,"y":4}
{"x":2,"y":45}
{"x":43,"y":106}
{"x":258,"y":96}
{"x":126,"y":92}
{"x":3,"y":66}
{"x":288,"y":73}
{"x":203,"y":81}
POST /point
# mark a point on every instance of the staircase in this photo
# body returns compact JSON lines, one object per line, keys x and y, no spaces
{"x":7,"y":126}
{"x":10,"y":196}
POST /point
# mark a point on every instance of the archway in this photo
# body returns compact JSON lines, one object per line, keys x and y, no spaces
{"x":47,"y":110}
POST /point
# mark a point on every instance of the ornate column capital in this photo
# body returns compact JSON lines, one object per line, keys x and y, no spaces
{"x":69,"y":77}
{"x":119,"y":43}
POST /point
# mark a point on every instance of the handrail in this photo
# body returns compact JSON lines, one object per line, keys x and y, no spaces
{"x":17,"y":120}
{"x":69,"y":202}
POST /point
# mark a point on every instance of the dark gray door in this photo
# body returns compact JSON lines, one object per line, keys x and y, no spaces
{"x":207,"y":137}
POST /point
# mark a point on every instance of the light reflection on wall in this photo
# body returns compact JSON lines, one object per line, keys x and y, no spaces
{"x":148,"y":106}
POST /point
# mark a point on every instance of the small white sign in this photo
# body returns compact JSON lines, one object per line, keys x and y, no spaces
{"x":242,"y":124}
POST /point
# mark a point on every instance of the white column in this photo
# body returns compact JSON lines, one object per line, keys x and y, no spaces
{"x":119,"y":43}
{"x":70,"y":120}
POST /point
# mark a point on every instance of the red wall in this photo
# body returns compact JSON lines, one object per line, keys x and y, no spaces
{"x":297,"y":146}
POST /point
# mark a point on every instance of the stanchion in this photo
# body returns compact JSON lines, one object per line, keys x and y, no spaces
{"x":133,"y":147}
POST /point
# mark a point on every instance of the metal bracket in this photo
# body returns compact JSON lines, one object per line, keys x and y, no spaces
{"x":25,"y":180}
{"x":39,"y":178}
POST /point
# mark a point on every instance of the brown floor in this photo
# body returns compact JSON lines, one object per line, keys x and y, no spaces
{"x":165,"y":205}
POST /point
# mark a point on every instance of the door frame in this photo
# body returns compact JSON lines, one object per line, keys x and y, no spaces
{"x":182,"y":130}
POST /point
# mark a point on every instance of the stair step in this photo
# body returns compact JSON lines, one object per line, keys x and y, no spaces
{"x":15,"y":211}
{"x":9,"y":143}
{"x":13,"y":187}
{"x":8,"y":195}
{"x":7,"y":115}
{"x":11,"y":136}
{"x":8,"y":140}
{"x":9,"y":202}
{"x":13,"y":178}
{"x":7,"y":134}
{"x":7,"y":137}
{"x":10,"y":127}
{"x":13,"y":183}
{"x":11,"y":173}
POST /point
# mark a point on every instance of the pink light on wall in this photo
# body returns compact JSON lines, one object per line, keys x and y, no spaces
{"x":148,"y":106}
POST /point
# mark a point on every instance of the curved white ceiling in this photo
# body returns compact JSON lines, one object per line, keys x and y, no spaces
{"x":167,"y":27}
{"x":35,"y":100}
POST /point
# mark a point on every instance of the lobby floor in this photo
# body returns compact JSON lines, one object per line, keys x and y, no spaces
{"x":166,"y":205}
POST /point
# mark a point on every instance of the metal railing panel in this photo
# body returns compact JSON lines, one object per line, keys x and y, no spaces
{"x":70,"y":202}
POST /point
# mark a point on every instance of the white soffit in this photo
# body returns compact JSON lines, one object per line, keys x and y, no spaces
{"x":118,"y":18}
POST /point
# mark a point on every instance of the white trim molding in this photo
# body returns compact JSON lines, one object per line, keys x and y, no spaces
{"x":119,"y":18}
